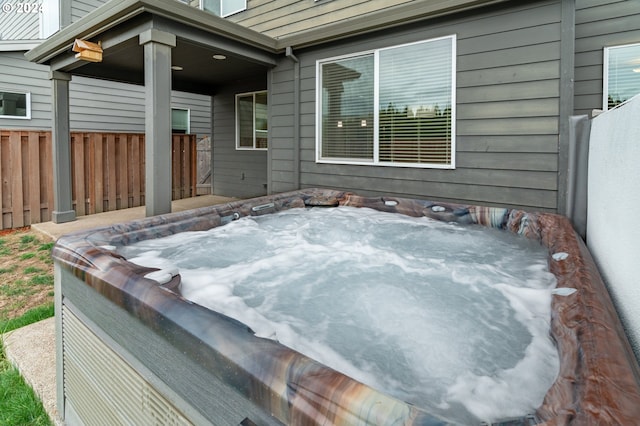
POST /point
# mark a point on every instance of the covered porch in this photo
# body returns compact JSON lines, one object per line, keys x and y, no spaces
{"x":162,"y":45}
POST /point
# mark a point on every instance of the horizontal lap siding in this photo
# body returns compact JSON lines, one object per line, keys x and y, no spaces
{"x":98,"y":105}
{"x":94,"y":105}
{"x":600,"y":24}
{"x":17,"y":25}
{"x":286,"y":17}
{"x":16,"y":73}
{"x":281,"y":126}
{"x":508,"y":78}
{"x":80,"y":8}
{"x":199,"y":107}
{"x":236,"y":173}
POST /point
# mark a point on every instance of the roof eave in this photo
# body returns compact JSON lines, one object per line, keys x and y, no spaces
{"x":115,"y":12}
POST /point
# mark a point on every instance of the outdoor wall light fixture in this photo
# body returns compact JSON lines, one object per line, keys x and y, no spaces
{"x":219,"y":57}
{"x":87,"y":51}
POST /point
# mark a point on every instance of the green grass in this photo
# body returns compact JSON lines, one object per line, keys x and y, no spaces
{"x":46,"y":247}
{"x":28,"y":239}
{"x":19,"y":405}
{"x":31,"y":316}
{"x":41,"y":280}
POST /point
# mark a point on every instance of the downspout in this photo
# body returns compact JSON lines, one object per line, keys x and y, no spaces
{"x":567,"y":67}
{"x":296,"y":117}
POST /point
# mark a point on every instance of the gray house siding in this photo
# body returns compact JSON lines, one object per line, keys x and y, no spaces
{"x":286,"y":17}
{"x":17,"y":25}
{"x":236,"y":173}
{"x":95,"y":105}
{"x":599,"y":24}
{"x":16,"y":73}
{"x":283,"y":158}
{"x":508,"y":79}
{"x":80,"y":8}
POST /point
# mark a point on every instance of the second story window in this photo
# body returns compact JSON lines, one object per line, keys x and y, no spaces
{"x":15,"y":105}
{"x":223,"y":7}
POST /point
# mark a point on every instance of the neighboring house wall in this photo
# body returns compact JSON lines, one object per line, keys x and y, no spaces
{"x":286,"y":17}
{"x":508,"y":96}
{"x":17,"y":22}
{"x":599,"y":24}
{"x":95,"y":105}
{"x":19,"y":74}
{"x":236,"y":173}
{"x":80,"y":8}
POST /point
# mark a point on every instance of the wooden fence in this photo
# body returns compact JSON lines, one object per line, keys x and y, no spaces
{"x":108,"y":173}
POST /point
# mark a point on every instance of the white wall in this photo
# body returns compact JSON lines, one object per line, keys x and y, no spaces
{"x":613,"y":230}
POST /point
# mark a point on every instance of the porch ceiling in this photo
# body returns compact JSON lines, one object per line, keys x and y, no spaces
{"x":200,"y":72}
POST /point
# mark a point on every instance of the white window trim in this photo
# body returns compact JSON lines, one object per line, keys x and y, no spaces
{"x":188,"y":117}
{"x":375,"y":161}
{"x":237,"y":123}
{"x":605,"y":76}
{"x":28,"y":102}
{"x":201,"y":7}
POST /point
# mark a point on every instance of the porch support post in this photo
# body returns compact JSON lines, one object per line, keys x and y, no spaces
{"x":157,"y":82}
{"x":61,"y":149}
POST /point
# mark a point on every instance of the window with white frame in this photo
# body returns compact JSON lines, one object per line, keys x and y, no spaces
{"x":621,"y":74}
{"x":180,"y":121}
{"x":15,"y":104}
{"x":251,"y":120}
{"x":393,"y":106}
{"x":223,"y":7}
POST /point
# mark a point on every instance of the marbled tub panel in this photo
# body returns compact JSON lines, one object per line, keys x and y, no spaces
{"x":598,"y":382}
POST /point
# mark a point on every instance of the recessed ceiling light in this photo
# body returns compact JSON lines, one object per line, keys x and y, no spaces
{"x":176,"y":67}
{"x":219,"y":57}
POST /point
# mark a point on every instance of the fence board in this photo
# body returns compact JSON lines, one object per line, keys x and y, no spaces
{"x":34,"y":178}
{"x":17,"y":199}
{"x":46,"y":175}
{"x":78,"y":175}
{"x":107,"y":173}
{"x":123,"y":177}
{"x":112,"y":187}
{"x":136,"y":187}
{"x":98,"y":171}
{"x":175,"y":165}
{"x":5,"y":188}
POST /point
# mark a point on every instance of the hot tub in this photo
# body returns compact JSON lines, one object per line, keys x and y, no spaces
{"x":131,"y":350}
